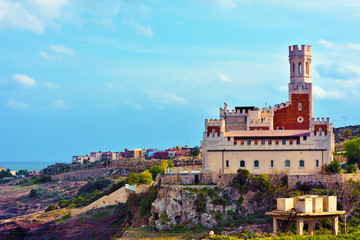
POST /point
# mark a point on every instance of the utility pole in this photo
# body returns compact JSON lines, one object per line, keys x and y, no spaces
{"x":344,"y":120}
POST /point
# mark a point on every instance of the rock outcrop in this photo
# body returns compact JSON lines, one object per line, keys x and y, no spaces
{"x":191,"y":206}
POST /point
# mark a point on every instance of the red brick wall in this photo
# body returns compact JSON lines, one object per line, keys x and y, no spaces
{"x":287,"y":117}
{"x":323,"y":128}
{"x":211,"y":128}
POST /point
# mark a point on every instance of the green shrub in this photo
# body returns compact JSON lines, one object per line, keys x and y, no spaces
{"x":219,"y":216}
{"x":200,"y":203}
{"x":33,"y":192}
{"x":98,"y":184}
{"x":333,"y":167}
{"x":67,"y":216}
{"x":241,"y":179}
{"x":133,"y":178}
{"x":351,"y":168}
{"x":146,"y":202}
{"x":240,"y":200}
{"x":51,"y":207}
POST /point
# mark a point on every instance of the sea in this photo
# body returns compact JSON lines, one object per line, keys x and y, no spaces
{"x":25,"y":165}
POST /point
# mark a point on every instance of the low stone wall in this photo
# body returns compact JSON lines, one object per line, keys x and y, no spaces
{"x":221,"y":180}
{"x":82,"y":175}
{"x":324,"y":179}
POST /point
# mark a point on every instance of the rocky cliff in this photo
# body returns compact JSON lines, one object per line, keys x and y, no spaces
{"x":204,"y":205}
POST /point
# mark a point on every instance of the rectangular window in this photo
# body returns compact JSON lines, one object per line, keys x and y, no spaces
{"x":227,"y":163}
{"x":317,"y":163}
{"x":284,"y":142}
{"x":304,"y":138}
{"x":272,"y":163}
{"x":248,"y":142}
{"x":299,"y":106}
{"x":280,"y":128}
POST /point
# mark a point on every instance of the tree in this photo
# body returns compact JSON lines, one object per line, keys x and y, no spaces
{"x":352,"y":150}
{"x":133,"y":178}
{"x":195,"y":151}
{"x":349,"y":195}
{"x":347,"y":133}
{"x":145,"y":177}
{"x":155,"y":170}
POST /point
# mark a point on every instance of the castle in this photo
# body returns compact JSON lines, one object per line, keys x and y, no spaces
{"x":285,"y":137}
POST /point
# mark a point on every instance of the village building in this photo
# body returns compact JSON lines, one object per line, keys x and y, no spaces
{"x":285,"y":137}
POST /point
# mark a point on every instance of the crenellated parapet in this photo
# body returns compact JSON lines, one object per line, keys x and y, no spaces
{"x":214,"y":127}
{"x":281,"y":105}
{"x":295,"y":50}
{"x":321,"y":126}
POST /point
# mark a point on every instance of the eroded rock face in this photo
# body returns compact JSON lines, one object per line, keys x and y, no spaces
{"x":178,"y":205}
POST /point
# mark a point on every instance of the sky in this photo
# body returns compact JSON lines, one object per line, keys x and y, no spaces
{"x":86,"y":75}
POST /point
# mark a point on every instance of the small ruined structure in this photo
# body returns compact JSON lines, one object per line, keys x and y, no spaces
{"x":306,"y":208}
{"x":285,"y":137}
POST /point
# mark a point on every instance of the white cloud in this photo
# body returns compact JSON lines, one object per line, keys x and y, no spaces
{"x":336,"y":46}
{"x":62,"y":50}
{"x":14,"y":14}
{"x":48,"y":56}
{"x":176,"y":99}
{"x":225,"y":3}
{"x":140,"y":29}
{"x":134,"y":105}
{"x":33,"y":15}
{"x":16,"y":105}
{"x":321,"y":93}
{"x":51,"y":85}
{"x":24,"y":80}
{"x":165,"y":98}
{"x":224,"y":78}
{"x":221,"y":3}
{"x":59,"y":104}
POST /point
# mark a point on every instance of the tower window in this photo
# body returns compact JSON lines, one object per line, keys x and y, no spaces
{"x":293,"y":68}
{"x":242,"y":163}
{"x":287,"y":163}
{"x":300,"y":68}
{"x":307,"y":68}
{"x":227,"y":163}
{"x":256,"y":164}
{"x":299,"y":106}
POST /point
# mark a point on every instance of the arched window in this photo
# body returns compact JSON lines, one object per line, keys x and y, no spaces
{"x":317,"y":163}
{"x":299,"y":68}
{"x":287,"y":163}
{"x":299,"y":106}
{"x":227,"y":164}
{"x":271,"y":163}
{"x":256,"y":164}
{"x":293,"y":68}
{"x":301,"y":163}
{"x":242,"y":163}
{"x":307,"y":68}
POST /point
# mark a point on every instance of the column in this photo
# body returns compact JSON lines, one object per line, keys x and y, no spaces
{"x":335,"y":225}
{"x":275,"y":225}
{"x":311,"y":227}
{"x":299,"y":226}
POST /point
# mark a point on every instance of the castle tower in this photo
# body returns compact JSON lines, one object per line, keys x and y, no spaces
{"x":298,"y":113}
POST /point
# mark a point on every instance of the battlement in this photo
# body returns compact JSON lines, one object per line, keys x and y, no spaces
{"x":281,"y":105}
{"x":213,"y":122}
{"x":320,"y":121}
{"x":266,"y":110}
{"x":260,"y":122}
{"x":295,"y":51}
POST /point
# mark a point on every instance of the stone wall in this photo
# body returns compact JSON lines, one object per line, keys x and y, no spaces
{"x":82,"y":175}
{"x":221,"y":180}
{"x":325,"y":179}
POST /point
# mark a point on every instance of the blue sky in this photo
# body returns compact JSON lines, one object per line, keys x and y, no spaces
{"x":87,"y":75}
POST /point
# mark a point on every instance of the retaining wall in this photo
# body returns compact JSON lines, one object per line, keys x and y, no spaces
{"x":325,"y":179}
